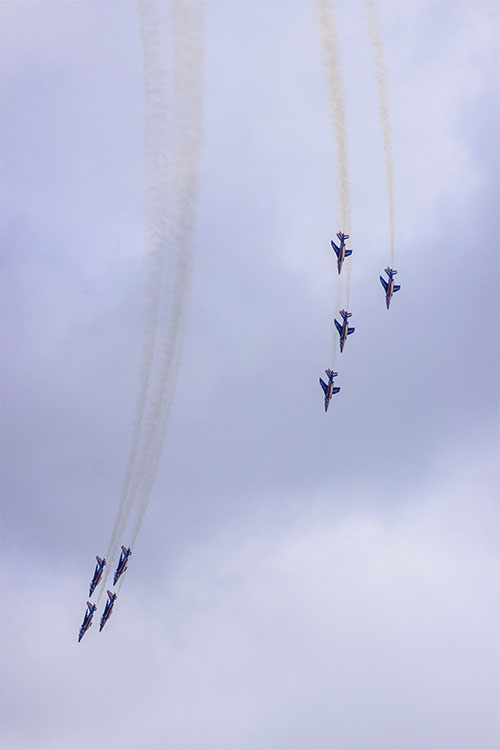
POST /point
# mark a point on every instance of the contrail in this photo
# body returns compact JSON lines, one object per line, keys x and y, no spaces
{"x":173,"y":125}
{"x":372,"y":18}
{"x":331,"y":57}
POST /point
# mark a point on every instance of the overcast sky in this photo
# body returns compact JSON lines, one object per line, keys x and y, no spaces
{"x":302,"y":580}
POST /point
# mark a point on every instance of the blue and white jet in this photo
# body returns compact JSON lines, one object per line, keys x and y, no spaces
{"x":328,"y":388}
{"x":341,"y":252}
{"x":389,"y":285}
{"x":87,"y":620}
{"x":122,"y":564}
{"x":107,"y":609}
{"x":344,"y":330}
{"x":97,"y":574}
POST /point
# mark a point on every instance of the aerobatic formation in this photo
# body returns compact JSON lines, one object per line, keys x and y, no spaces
{"x":173,"y":60}
{"x":331,"y":58}
{"x":91,"y":608}
{"x":173,"y":79}
{"x":344,"y":330}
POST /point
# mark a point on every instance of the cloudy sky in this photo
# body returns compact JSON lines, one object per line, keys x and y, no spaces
{"x":302,"y":580}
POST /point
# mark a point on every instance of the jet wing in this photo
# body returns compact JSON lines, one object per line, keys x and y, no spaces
{"x":384,"y":283}
{"x":338,"y":326}
{"x":337,"y":249}
{"x":323,"y":385}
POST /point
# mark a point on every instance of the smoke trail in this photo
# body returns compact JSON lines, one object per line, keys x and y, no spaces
{"x":372,"y":19}
{"x":168,"y":105}
{"x":157,"y":120}
{"x":331,"y":58}
{"x":188,"y":85}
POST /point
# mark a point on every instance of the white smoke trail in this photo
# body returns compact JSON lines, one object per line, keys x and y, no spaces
{"x":188,"y":87}
{"x":172,"y":152}
{"x":331,"y":57}
{"x":157,"y":126}
{"x":381,"y":78}
{"x":156,"y":118}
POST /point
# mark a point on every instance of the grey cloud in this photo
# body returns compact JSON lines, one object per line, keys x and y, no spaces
{"x":301,"y":579}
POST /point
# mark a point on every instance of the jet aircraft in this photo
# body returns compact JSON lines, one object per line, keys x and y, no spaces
{"x":87,"y":620}
{"x":122,"y":564}
{"x":107,"y":609}
{"x":97,"y":574}
{"x":341,"y":252}
{"x":329,"y":388}
{"x":389,"y":285}
{"x":344,"y":330}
